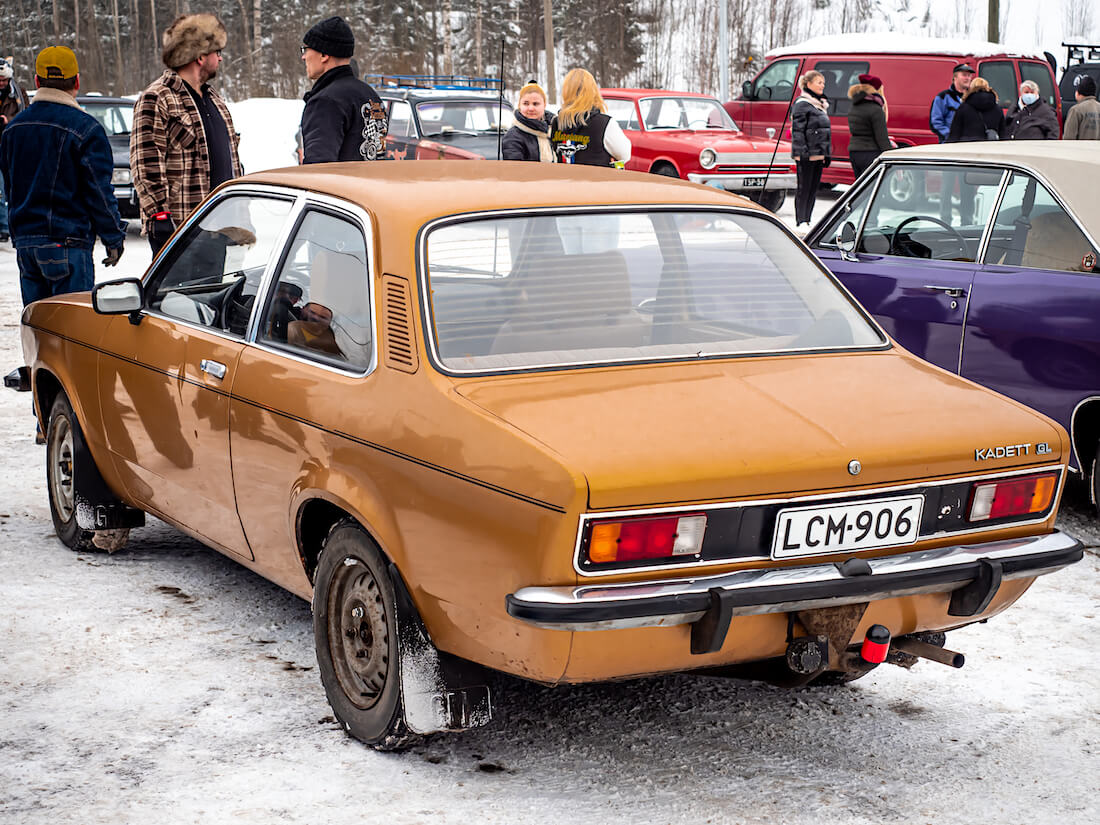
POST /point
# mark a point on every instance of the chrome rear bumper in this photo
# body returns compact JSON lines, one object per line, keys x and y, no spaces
{"x":973,"y":571}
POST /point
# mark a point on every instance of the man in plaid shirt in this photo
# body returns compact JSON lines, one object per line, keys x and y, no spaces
{"x":183,"y":143}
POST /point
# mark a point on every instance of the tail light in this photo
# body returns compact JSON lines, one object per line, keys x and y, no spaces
{"x":1009,"y":497}
{"x":644,"y":539}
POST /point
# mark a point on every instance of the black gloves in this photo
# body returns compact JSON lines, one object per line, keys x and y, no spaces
{"x":113,"y":254}
{"x":827,"y":161}
{"x":160,"y":230}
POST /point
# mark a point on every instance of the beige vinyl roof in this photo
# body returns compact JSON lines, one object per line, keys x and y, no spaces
{"x":1070,"y":167}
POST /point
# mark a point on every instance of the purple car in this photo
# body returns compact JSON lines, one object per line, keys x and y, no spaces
{"x":983,"y":259}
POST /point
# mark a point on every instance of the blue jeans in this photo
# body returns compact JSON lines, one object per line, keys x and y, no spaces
{"x":53,"y":270}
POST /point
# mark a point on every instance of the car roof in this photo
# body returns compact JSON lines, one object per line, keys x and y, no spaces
{"x":640,"y":93}
{"x":121,"y":101}
{"x":405,"y":93}
{"x":1072,"y":167}
{"x":451,"y":187}
{"x":891,"y":43}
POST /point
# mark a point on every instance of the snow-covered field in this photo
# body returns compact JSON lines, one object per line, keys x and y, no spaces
{"x":165,"y":683}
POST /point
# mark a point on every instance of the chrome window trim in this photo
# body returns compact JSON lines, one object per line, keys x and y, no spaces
{"x":262,"y":190}
{"x":874,"y":181}
{"x":645,"y":208}
{"x":356,"y":215}
{"x":795,"y":501}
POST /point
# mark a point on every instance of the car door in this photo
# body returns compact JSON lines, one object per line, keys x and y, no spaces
{"x":166,"y":385}
{"x":1031,"y":330}
{"x":771,"y":94}
{"x":306,"y":379}
{"x":915,"y":255}
{"x":625,"y":112}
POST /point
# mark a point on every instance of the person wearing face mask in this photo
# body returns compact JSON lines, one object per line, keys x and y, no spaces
{"x":1031,"y":118}
{"x":529,"y":137}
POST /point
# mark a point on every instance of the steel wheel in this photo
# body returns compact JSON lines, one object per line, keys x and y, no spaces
{"x":355,"y":633}
{"x":901,"y":187}
{"x":62,"y":434}
{"x":358,"y":637}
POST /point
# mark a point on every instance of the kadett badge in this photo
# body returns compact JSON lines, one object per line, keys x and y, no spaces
{"x":1011,"y":451}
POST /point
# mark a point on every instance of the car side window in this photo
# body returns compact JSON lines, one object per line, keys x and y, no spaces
{"x":851,"y":213}
{"x":624,"y":112}
{"x":1002,"y":79}
{"x":1039,"y":73}
{"x":840,"y":75}
{"x":1032,"y":230}
{"x":777,"y":81}
{"x":401,"y":119}
{"x":212,"y":274}
{"x":933,"y":212}
{"x":321,"y":304}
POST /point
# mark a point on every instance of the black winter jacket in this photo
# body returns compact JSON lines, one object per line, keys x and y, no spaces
{"x":518,"y":144}
{"x":977,"y":113}
{"x":809,"y":130}
{"x":343,"y":119}
{"x":866,"y":121}
{"x":1035,"y":122}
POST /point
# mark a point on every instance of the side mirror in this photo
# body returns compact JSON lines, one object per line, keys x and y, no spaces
{"x":846,"y":241}
{"x":746,"y":90}
{"x":120,"y":297}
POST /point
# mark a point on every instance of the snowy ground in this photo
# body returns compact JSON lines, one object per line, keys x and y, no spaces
{"x":167,"y":684}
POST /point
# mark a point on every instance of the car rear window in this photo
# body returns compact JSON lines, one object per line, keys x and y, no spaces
{"x":557,"y":290}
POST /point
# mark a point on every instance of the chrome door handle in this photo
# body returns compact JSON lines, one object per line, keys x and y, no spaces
{"x":212,"y":368}
{"x":953,"y":291}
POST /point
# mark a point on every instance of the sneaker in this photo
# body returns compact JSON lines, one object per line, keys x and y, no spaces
{"x":4,"y":237}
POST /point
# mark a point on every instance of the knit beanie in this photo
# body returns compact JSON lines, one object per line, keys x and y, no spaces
{"x":331,"y":36}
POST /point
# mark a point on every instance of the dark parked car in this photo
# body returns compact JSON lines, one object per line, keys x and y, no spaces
{"x":116,"y":114}
{"x":983,"y":259}
{"x":433,"y":116}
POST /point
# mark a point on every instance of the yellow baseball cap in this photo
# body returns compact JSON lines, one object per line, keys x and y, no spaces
{"x":56,"y":63}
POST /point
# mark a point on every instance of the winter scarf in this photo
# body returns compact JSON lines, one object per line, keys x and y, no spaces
{"x":817,"y":101}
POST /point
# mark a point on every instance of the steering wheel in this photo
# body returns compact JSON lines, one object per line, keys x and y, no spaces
{"x":959,"y":239}
{"x":224,"y":302}
{"x":783,"y":89}
{"x":701,"y":120}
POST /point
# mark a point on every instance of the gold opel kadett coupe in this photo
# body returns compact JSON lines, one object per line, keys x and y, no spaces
{"x":566,"y":423}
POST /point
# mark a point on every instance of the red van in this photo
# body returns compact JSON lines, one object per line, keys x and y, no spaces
{"x":913,"y":71}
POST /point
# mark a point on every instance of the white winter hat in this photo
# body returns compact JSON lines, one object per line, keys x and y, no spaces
{"x":5,"y":69}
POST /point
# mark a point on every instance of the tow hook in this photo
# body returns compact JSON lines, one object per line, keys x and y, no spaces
{"x":928,"y":648}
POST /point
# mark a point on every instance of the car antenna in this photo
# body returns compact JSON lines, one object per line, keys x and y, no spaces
{"x":775,"y":149}
{"x":500,"y":102}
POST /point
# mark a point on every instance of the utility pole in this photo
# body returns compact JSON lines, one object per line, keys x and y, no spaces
{"x":548,"y":23}
{"x":723,"y":51}
{"x":994,"y":21}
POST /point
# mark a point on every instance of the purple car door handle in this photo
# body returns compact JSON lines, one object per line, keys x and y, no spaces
{"x":953,"y":291}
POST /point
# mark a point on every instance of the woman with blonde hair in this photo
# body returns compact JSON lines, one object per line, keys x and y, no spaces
{"x":810,"y":142}
{"x":529,"y":137}
{"x":979,"y":116}
{"x":582,"y":132}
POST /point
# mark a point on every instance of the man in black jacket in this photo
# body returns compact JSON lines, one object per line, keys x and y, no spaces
{"x":343,"y":118}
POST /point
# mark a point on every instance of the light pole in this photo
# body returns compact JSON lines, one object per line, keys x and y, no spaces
{"x":548,"y":23}
{"x":993,"y":22}
{"x":723,"y":52}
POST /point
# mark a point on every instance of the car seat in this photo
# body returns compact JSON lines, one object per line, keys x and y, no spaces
{"x":338,"y":280}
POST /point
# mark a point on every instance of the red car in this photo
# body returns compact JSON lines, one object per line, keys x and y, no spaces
{"x":690,"y":136}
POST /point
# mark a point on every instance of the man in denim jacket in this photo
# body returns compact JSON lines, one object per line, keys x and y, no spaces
{"x":57,"y":165}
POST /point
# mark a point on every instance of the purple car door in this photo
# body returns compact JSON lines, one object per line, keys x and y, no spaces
{"x":1032,"y":328}
{"x":915,"y":259}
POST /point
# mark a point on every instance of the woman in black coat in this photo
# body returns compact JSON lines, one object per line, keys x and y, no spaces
{"x":810,"y":142}
{"x":866,"y":123}
{"x":979,"y":116}
{"x":529,"y":137}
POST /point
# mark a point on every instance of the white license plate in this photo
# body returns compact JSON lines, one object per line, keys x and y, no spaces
{"x":754,"y":183}
{"x":841,"y":528}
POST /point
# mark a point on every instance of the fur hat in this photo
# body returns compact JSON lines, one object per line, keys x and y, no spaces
{"x":5,"y":69}
{"x":190,"y":37}
{"x":332,"y":36}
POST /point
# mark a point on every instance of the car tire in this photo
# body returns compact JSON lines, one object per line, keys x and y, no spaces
{"x":355,"y":633}
{"x":772,"y":200}
{"x":901,"y":189}
{"x":62,"y":435}
{"x":665,"y":169}
{"x":833,"y":678}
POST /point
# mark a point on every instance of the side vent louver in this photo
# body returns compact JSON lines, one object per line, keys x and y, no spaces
{"x":397,"y":324}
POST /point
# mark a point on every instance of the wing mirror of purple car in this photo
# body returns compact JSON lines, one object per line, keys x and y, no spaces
{"x":846,"y":241}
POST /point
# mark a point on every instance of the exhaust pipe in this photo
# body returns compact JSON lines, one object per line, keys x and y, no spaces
{"x":924,"y":650}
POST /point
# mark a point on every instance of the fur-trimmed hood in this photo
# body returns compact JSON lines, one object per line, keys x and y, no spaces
{"x":862,"y":90}
{"x":190,"y":37}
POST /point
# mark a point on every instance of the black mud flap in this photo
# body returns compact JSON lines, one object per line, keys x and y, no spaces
{"x":708,"y":633}
{"x":19,"y":379}
{"x":972,"y":599}
{"x":97,"y":507}
{"x":439,"y":692}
